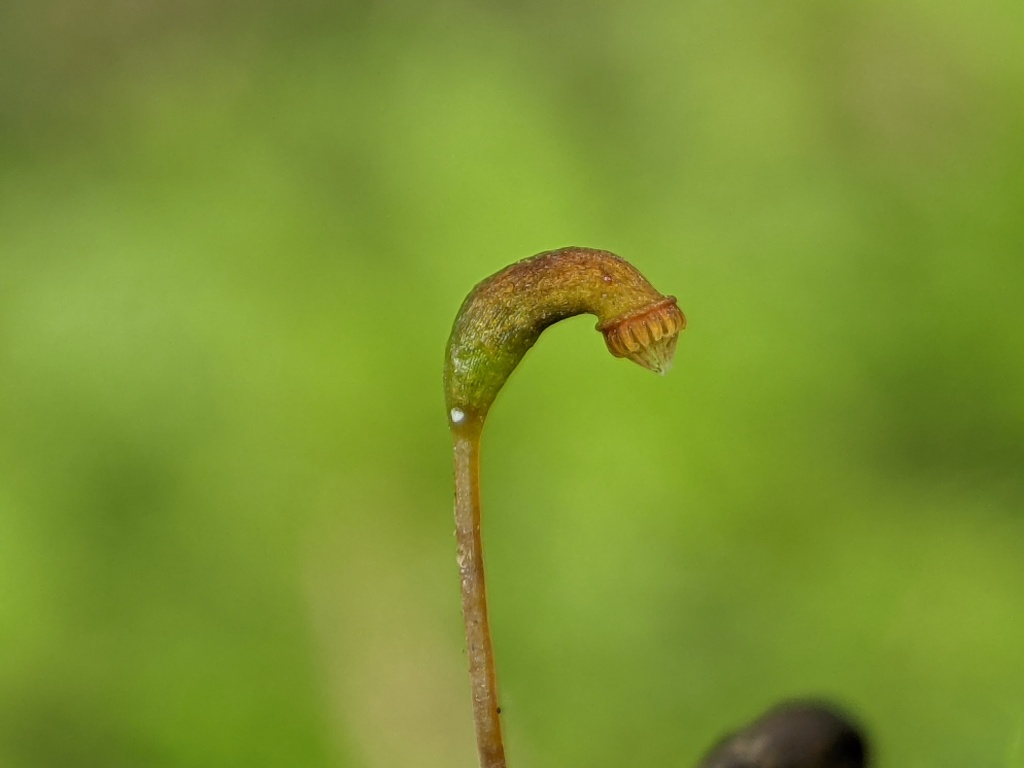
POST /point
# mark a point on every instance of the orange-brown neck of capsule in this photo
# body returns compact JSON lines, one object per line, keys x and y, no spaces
{"x":647,"y":337}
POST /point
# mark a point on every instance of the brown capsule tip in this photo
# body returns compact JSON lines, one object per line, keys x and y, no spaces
{"x":647,"y":337}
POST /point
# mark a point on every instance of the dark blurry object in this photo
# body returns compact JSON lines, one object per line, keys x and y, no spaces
{"x":793,"y":735}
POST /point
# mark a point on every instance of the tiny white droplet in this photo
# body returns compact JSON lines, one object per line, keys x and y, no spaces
{"x":457,"y":415}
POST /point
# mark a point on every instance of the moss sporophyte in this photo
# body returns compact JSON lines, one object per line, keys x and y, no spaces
{"x":497,"y":324}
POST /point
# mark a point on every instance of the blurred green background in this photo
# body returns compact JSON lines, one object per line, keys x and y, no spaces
{"x":233,"y":237}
